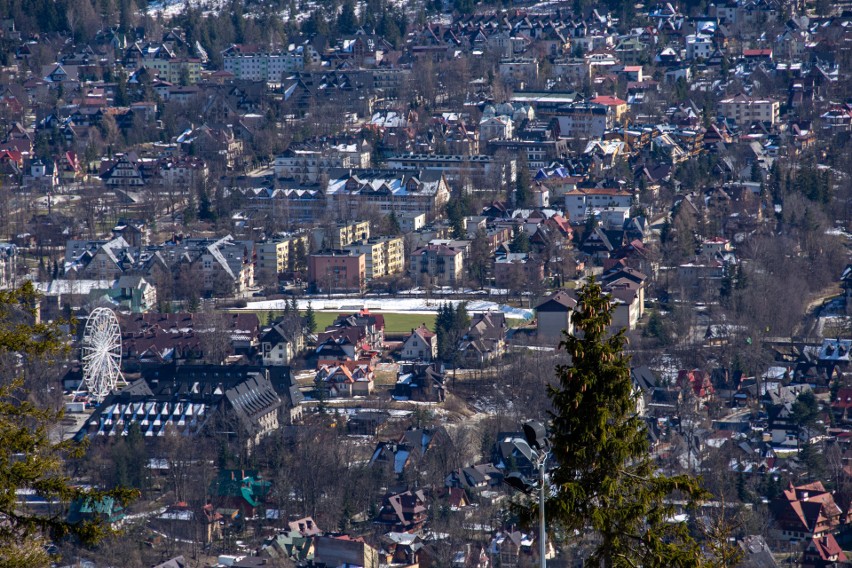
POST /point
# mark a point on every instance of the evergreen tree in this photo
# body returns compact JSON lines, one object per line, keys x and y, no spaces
{"x":477,"y":264}
{"x":393,"y":228}
{"x":31,"y":460}
{"x":310,"y":319}
{"x":523,"y":192}
{"x":605,"y":478}
{"x":347,"y":21}
{"x":456,"y":210}
{"x":520,"y":241}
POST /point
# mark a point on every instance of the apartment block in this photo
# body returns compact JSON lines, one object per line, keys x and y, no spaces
{"x":277,"y":254}
{"x":337,"y":271}
{"x":383,"y":256}
{"x":340,"y":235}
{"x":745,"y":110}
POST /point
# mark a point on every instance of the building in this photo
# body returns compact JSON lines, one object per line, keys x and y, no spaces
{"x":421,"y":345}
{"x":437,"y":265}
{"x":383,"y":256}
{"x":176,"y":70}
{"x":350,"y":193}
{"x":249,"y":63}
{"x":281,"y":342}
{"x":516,"y":269}
{"x":190,"y":398}
{"x":581,"y":201}
{"x":745,"y":110}
{"x":337,"y":271}
{"x":553,"y":315}
{"x":584,"y":120}
{"x":474,"y":172}
{"x":485,"y":339}
{"x":495,"y":128}
{"x":344,"y":551}
{"x":281,"y":253}
{"x":340,"y":235}
{"x":347,"y":379}
{"x":306,"y":166}
{"x":618,"y":107}
{"x":806,"y":512}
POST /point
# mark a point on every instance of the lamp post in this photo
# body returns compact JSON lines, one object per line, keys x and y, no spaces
{"x":535,"y":449}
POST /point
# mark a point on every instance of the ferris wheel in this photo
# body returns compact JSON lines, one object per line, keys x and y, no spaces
{"x":101,"y":354}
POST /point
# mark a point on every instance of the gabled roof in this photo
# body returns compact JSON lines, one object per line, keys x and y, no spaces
{"x":560,"y":301}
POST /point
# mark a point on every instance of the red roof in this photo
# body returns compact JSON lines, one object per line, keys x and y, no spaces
{"x":757,"y":53}
{"x":828,"y":549}
{"x":608,"y":101}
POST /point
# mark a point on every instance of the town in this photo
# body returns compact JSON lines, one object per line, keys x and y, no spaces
{"x":313,"y":264}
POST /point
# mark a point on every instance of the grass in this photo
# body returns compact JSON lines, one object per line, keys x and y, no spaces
{"x":395,"y":323}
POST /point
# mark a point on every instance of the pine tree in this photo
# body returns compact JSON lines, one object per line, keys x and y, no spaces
{"x":30,"y":460}
{"x":523,"y":193}
{"x":347,"y":21}
{"x":310,"y":319}
{"x":605,"y":479}
{"x":520,"y":242}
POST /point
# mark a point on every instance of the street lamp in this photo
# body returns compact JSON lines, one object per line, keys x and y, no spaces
{"x":535,"y":449}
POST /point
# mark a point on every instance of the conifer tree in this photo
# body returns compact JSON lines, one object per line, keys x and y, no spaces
{"x":605,"y":480}
{"x":30,"y":459}
{"x":310,"y":319}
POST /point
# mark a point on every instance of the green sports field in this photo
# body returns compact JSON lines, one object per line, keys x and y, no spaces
{"x":394,"y":322}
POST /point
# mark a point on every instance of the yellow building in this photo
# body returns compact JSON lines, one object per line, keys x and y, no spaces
{"x":175,"y":69}
{"x":383,"y":256}
{"x":280,"y":254}
{"x":341,"y":235}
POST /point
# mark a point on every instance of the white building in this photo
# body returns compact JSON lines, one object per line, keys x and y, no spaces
{"x":582,"y":200}
{"x":745,"y":110}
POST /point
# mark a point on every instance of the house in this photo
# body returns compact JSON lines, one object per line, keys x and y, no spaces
{"x":553,"y":315}
{"x":421,"y":345}
{"x":401,"y":549}
{"x":404,"y":512}
{"x":134,"y":293}
{"x":349,"y":192}
{"x":698,"y":380}
{"x":485,"y":339}
{"x":437,"y":264}
{"x":806,"y":512}
{"x":514,"y":549}
{"x":188,"y":523}
{"x":512,"y":270}
{"x":421,"y":382}
{"x":243,"y":491}
{"x":842,"y":404}
{"x":335,"y":551}
{"x":413,"y":443}
{"x":290,"y":545}
{"x":282,"y":341}
{"x":370,"y":328}
{"x":823,"y":552}
{"x":756,"y":553}
{"x":89,"y":509}
{"x":348,"y":379}
{"x":476,"y":478}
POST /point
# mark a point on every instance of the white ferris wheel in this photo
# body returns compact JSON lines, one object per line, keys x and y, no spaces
{"x":101,"y":354}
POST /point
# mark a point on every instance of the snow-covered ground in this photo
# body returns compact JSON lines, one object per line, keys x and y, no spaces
{"x":170,"y":8}
{"x":393,"y":305}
